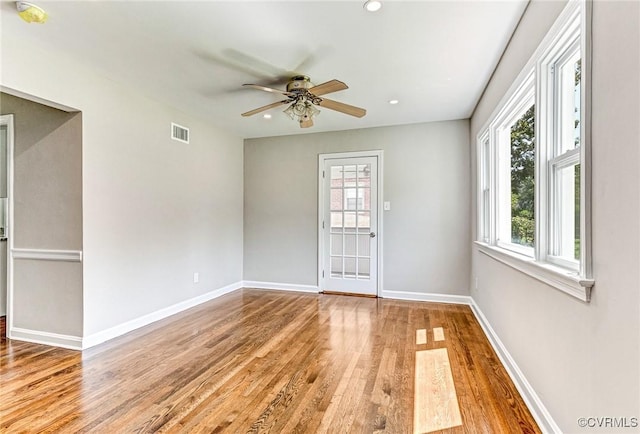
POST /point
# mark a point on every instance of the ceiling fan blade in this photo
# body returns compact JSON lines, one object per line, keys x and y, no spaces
{"x":311,"y":59}
{"x":266,"y":107}
{"x":256,"y":64}
{"x":328,"y":87}
{"x":306,"y":124}
{"x":268,"y":89}
{"x":342,"y":107}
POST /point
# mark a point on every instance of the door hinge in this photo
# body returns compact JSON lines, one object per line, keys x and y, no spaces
{"x":323,"y":274}
{"x":322,"y":224}
{"x":323,"y":173}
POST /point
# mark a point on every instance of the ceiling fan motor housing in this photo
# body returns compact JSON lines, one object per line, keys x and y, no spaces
{"x":299,"y":82}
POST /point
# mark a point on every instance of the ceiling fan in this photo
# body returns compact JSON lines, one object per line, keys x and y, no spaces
{"x":302,"y":98}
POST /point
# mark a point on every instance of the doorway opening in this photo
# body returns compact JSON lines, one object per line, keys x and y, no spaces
{"x":6,"y":151}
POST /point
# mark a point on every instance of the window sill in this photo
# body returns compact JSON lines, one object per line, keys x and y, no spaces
{"x":564,"y":280}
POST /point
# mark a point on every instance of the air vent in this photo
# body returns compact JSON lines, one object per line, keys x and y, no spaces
{"x":179,"y":133}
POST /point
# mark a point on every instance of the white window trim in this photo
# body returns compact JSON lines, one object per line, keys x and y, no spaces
{"x":556,"y":272}
{"x":553,"y":275}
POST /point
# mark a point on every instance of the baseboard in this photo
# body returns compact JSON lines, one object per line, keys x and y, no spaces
{"x":432,"y":297}
{"x":121,"y":329}
{"x":531,"y":399}
{"x":280,"y":286}
{"x":45,"y":338}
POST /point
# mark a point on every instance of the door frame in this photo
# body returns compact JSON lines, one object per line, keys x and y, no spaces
{"x":322,"y":158}
{"x":8,"y":120}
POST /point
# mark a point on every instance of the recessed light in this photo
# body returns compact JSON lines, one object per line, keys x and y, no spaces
{"x":372,"y":5}
{"x":266,"y":116}
{"x":394,"y":102}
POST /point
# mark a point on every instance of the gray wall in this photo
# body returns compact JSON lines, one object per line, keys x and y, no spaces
{"x":161,"y":210}
{"x":426,"y":179}
{"x":47,"y":215}
{"x":154,"y":210}
{"x":582,"y":359}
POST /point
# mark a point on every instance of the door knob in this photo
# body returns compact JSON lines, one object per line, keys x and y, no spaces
{"x":372,"y":234}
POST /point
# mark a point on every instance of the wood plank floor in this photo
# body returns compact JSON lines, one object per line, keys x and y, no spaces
{"x":263,"y":361}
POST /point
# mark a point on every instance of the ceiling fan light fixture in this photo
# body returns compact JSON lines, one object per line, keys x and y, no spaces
{"x":312,"y":111}
{"x":372,"y":5}
{"x":302,"y":111}
{"x":289,"y":111}
{"x":31,"y":13}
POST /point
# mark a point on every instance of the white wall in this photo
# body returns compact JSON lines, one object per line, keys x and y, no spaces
{"x":582,"y":359}
{"x":154,"y":210}
{"x":426,"y":179}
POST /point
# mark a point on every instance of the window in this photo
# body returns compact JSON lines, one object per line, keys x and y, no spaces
{"x":484,"y":203}
{"x":513,"y":134}
{"x":564,"y":159}
{"x":532,"y":176}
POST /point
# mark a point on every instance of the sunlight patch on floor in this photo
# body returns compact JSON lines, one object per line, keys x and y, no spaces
{"x":421,"y":336}
{"x":438,"y":334}
{"x":435,"y":400}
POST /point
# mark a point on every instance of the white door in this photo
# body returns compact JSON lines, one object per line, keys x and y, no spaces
{"x":349,"y":239}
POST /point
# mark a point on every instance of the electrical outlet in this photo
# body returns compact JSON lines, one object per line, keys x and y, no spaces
{"x":196,"y":277}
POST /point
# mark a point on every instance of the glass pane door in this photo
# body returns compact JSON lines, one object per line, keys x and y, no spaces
{"x":350,"y":192}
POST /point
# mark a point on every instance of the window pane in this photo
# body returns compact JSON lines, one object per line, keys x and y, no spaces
{"x":350,"y":268}
{"x":568,"y":186}
{"x":576,"y":217}
{"x":350,"y":198}
{"x":336,"y":176}
{"x":485,"y":216}
{"x":336,"y":220}
{"x":336,"y":244}
{"x":484,"y":236}
{"x":350,"y":245}
{"x":336,"y":267}
{"x":350,"y":220}
{"x":363,"y":268}
{"x":364,"y":221}
{"x":569,"y":104}
{"x":336,"y":199}
{"x":577,"y":76}
{"x":364,"y":175}
{"x":349,"y":176}
{"x":522,"y":179}
{"x":364,"y":243}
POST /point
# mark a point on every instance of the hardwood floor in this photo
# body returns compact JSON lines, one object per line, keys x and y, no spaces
{"x":266,"y":361}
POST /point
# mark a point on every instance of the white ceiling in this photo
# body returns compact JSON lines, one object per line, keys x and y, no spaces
{"x":435,"y":57}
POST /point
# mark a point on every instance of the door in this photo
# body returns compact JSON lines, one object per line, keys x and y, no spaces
{"x":349,"y":238}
